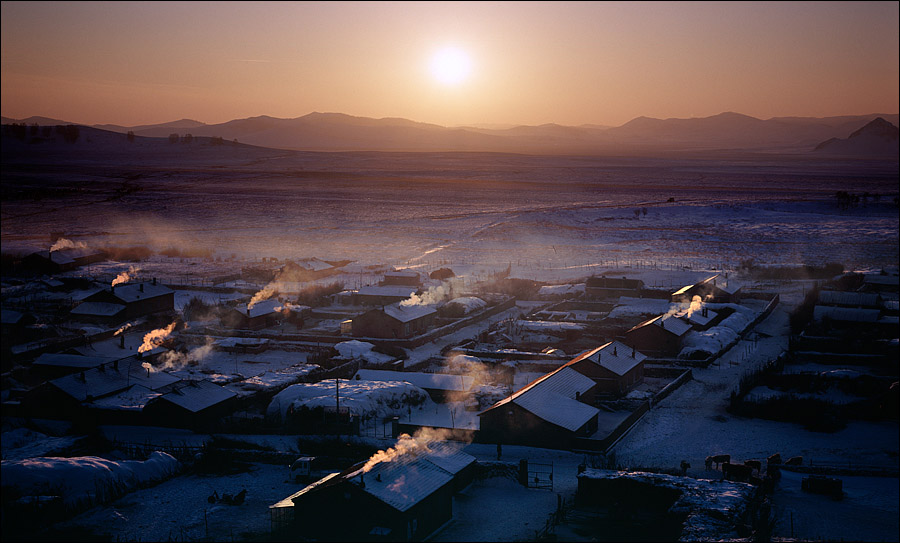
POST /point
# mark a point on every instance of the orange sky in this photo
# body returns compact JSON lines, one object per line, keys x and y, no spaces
{"x":134,"y":63}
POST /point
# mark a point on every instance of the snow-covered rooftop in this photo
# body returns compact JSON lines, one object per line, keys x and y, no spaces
{"x":196,"y":396}
{"x":62,"y":360}
{"x":552,"y":398}
{"x":435,"y":381}
{"x":258,"y":309}
{"x":857,"y":299}
{"x":404,"y":481}
{"x":701,"y":317}
{"x":469,"y":303}
{"x":134,"y":398}
{"x":615,"y":356}
{"x":97,"y":382}
{"x":407,"y":313}
{"x":849,"y":314}
{"x":10,"y":316}
{"x":133,"y":292}
{"x":96,"y":309}
{"x":387,"y":290}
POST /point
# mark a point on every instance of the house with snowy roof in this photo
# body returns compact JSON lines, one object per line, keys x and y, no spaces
{"x":53,"y":365}
{"x":190,"y":404}
{"x":715,"y":289}
{"x":394,"y":321}
{"x":440,"y":386}
{"x":128,"y":301}
{"x":615,"y":367}
{"x":701,"y":319}
{"x":659,"y":337}
{"x":839,"y":298}
{"x":550,"y":411}
{"x":257,"y":316}
{"x":405,"y":497}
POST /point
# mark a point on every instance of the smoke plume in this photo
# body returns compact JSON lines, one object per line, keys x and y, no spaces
{"x":262,"y":295}
{"x":122,"y":329}
{"x":63,"y":243}
{"x":174,"y":360}
{"x":434,"y":295}
{"x":696,"y":305}
{"x":125,"y":276}
{"x":406,"y":445}
{"x":155,"y":338}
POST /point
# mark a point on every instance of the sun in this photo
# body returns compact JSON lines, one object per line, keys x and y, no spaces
{"x":451,"y":66}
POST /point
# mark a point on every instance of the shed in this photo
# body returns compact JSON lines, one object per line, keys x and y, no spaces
{"x":550,"y":412}
{"x":394,"y":321}
{"x":602,"y":287}
{"x":660,"y":336}
{"x":62,"y":260}
{"x":405,"y":278}
{"x":257,"y":316}
{"x":848,"y":299}
{"x":382,"y":295}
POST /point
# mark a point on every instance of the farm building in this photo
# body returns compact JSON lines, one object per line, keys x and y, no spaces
{"x":550,"y":412}
{"x":405,"y":498}
{"x":615,"y":367}
{"x":190,"y":404}
{"x":53,"y":365}
{"x":702,"y":319}
{"x":715,"y":289}
{"x":138,"y":299}
{"x":440,"y":386}
{"x":61,"y":260}
{"x":394,"y":321}
{"x":255,"y":317}
{"x":659,"y":337}
{"x":599,"y":288}
{"x":875,"y":282}
{"x":382,"y":295}
{"x":402,"y":278}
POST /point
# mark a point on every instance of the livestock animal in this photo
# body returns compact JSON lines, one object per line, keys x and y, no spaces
{"x":708,"y":462}
{"x":213,"y":498}
{"x":794,"y":461}
{"x":684,"y":467}
{"x":774,"y":459}
{"x":721,"y":459}
{"x":736,"y":472}
{"x":754,"y":464}
{"x":239,"y":497}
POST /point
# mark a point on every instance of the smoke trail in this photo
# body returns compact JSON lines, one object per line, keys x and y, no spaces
{"x":173,"y":360}
{"x":125,"y":276}
{"x":155,"y":338}
{"x":63,"y":243}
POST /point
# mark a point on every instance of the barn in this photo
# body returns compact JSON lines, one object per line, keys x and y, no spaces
{"x":405,"y":498}
{"x":715,"y":289}
{"x":190,"y":404}
{"x":658,"y":337}
{"x":394,"y":321}
{"x":615,"y":367}
{"x":138,"y":299}
{"x":549,"y":412}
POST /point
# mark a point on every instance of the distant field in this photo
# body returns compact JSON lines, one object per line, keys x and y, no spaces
{"x":466,"y":207}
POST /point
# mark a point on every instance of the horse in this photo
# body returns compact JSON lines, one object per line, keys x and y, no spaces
{"x":213,"y":498}
{"x":721,"y":459}
{"x":684,"y":467}
{"x":239,"y":497}
{"x":754,"y":464}
{"x":736,"y":472}
{"x":708,"y":462}
{"x":774,"y":459}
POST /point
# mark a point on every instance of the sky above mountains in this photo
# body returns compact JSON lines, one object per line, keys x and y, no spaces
{"x":448,"y":63}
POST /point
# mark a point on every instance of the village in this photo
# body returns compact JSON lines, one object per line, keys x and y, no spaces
{"x":390,"y":392}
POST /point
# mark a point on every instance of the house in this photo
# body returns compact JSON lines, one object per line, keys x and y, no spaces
{"x":549,"y":412}
{"x":702,"y":319}
{"x":394,"y":321}
{"x":382,"y":295}
{"x":61,"y":260}
{"x":402,"y":278}
{"x":599,"y":288}
{"x":257,"y":316}
{"x":715,"y":289}
{"x":615,"y":367}
{"x":405,"y":498}
{"x":190,"y":404}
{"x":53,"y":365}
{"x":138,"y":300}
{"x":658,"y":337}
{"x":440,"y":386}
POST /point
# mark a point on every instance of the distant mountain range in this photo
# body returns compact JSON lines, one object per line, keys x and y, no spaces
{"x":878,"y":138}
{"x":341,"y":132}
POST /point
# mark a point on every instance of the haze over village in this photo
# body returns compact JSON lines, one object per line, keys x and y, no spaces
{"x":450,"y":271}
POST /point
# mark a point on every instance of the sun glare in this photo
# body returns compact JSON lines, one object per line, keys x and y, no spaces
{"x":450,"y":66}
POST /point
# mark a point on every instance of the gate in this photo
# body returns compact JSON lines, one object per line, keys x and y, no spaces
{"x":536,"y":474}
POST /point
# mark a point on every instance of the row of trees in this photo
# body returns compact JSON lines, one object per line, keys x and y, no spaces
{"x":22,"y":131}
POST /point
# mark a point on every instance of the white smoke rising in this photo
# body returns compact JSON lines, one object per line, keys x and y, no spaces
{"x":63,"y":243}
{"x":155,"y":338}
{"x":267,"y":292}
{"x":122,"y":329}
{"x":173,"y":360}
{"x":406,"y":445}
{"x":433,"y":295}
{"x":696,"y":305}
{"x":125,"y":276}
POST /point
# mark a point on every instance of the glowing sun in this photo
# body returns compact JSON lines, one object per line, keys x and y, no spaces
{"x":450,"y":66}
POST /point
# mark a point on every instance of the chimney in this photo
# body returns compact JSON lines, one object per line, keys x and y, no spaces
{"x":614,"y":351}
{"x":632,"y":352}
{"x":154,"y":281}
{"x":148,"y":372}
{"x":705,"y":312}
{"x":116,"y":365}
{"x":378,"y":477}
{"x":362,"y":482}
{"x":141,"y":287}
{"x":248,"y":310}
{"x":122,"y":341}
